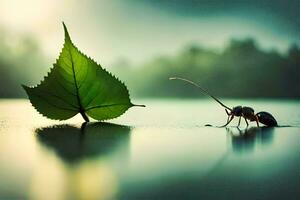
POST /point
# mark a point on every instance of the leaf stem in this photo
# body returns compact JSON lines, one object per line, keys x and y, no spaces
{"x":138,"y":105}
{"x":85,"y":117}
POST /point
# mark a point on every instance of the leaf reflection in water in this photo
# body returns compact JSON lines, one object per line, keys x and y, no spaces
{"x":90,"y":141}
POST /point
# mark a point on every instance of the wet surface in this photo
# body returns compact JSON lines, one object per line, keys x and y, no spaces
{"x":163,"y":151}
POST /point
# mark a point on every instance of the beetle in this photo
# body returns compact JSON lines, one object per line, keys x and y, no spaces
{"x":238,"y":111}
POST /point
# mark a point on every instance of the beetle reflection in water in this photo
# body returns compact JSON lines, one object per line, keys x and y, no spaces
{"x":245,"y":140}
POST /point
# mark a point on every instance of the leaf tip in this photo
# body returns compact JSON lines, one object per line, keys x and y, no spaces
{"x":67,"y":36}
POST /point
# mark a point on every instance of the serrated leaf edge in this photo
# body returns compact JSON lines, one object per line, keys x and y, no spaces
{"x":98,"y":65}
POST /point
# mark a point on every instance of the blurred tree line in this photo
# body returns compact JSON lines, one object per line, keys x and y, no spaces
{"x":242,"y":69}
{"x":21,"y":62}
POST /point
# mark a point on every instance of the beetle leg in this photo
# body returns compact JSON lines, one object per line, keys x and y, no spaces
{"x":239,"y":121}
{"x":256,"y":119}
{"x":228,"y":113}
{"x":246,"y":120}
{"x":240,"y":131}
{"x":228,"y":121}
{"x":228,"y":117}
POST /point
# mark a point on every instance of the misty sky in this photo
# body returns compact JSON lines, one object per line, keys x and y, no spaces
{"x":140,"y":29}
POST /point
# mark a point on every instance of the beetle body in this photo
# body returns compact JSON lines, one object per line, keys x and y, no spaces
{"x":266,"y":119}
{"x":238,"y":111}
{"x":248,"y":114}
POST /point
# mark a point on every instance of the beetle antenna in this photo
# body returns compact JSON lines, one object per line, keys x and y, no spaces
{"x":202,"y":89}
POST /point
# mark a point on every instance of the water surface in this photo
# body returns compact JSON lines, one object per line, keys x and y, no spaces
{"x":163,"y":151}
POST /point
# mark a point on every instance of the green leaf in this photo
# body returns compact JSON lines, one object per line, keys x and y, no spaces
{"x":77,"y":84}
